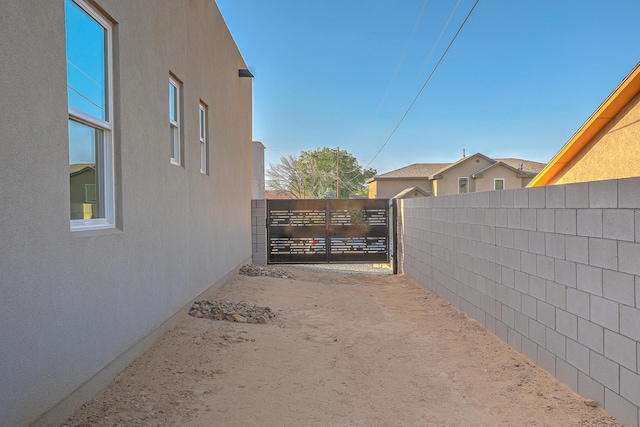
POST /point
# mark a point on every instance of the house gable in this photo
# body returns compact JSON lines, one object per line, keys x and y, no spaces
{"x":484,"y":180}
{"x":447,"y":178}
{"x":412,"y":192}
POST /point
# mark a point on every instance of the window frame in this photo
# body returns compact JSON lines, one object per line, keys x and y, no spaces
{"x":175,"y":137}
{"x":203,"y":131}
{"x":495,"y":180}
{"x":466,"y":179}
{"x":106,"y":156}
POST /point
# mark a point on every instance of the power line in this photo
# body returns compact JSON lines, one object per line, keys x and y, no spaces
{"x":424,"y":65}
{"x":395,"y":73}
{"x":425,"y":83}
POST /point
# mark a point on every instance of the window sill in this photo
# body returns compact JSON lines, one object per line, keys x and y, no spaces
{"x":80,"y":226}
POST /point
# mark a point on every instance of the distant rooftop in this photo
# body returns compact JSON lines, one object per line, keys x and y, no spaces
{"x":426,"y":170}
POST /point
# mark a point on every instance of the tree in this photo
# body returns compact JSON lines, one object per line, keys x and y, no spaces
{"x":319,"y":174}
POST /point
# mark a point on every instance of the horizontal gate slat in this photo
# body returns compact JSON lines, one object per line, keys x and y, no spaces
{"x":298,"y":232}
{"x":358,"y":231}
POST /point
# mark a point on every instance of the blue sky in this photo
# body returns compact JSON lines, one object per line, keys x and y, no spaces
{"x":519,"y":80}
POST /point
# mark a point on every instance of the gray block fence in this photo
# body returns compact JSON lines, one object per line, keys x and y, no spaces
{"x":553,"y":271}
{"x":259,"y":231}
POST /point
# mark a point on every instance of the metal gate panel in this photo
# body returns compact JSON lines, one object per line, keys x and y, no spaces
{"x":321,"y":231}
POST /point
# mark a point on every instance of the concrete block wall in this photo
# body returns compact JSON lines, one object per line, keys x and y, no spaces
{"x":259,"y":231}
{"x":553,"y":271}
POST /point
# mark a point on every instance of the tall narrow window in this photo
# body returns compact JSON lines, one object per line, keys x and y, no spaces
{"x":174,"y":120}
{"x":463,"y":185}
{"x":89,"y":64}
{"x":498,"y":184}
{"x":204,"y":148}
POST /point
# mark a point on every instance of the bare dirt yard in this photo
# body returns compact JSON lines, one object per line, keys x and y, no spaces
{"x":343,"y":350}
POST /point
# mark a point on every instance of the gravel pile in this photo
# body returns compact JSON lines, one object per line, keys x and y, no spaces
{"x":241,"y":312}
{"x":262,"y":270}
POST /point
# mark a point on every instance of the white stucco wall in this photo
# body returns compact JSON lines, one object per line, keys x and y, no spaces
{"x":258,"y":171}
{"x":72,"y":303}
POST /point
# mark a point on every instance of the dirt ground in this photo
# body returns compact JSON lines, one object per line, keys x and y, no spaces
{"x":344,"y":350}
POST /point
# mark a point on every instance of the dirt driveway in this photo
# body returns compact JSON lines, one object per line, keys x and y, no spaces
{"x":344,"y":350}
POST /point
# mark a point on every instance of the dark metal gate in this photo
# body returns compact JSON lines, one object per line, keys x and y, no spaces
{"x":328,"y":230}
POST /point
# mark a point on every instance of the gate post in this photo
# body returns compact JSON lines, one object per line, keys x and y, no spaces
{"x":327,"y":234}
{"x":393,"y":222}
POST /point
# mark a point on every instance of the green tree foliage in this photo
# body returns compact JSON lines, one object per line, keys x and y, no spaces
{"x":315,"y":174}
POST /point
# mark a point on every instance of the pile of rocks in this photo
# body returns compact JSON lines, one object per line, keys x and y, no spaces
{"x":262,"y":270}
{"x":242,"y":312}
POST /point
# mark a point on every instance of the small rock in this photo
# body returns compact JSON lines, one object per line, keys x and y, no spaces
{"x":591,"y":402}
{"x":538,"y":393}
{"x":238,"y":318}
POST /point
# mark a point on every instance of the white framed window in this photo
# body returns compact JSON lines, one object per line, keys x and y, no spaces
{"x":174,"y":120}
{"x":463,"y":185}
{"x":89,"y":54}
{"x":498,"y":183}
{"x":204,"y":144}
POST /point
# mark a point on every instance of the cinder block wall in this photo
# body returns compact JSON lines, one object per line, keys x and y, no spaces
{"x":553,"y":271}
{"x":259,"y":231}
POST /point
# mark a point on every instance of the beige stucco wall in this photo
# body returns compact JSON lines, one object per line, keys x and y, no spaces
{"x":485,"y":183}
{"x":613,"y":153}
{"x":448,"y":184}
{"x":387,"y":188}
{"x":71,"y":303}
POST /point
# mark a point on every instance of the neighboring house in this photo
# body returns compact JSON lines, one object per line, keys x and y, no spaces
{"x":473,"y":173}
{"x":279,"y":194}
{"x":257,"y":191}
{"x":82,"y":190}
{"x":607,"y":146}
{"x":412,"y":193}
{"x":389,"y":184}
{"x":125,"y":187}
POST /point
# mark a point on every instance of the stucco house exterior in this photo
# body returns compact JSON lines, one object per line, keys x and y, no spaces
{"x":137,"y":113}
{"x":607,"y":146}
{"x":469,"y":174}
{"x":258,"y":189}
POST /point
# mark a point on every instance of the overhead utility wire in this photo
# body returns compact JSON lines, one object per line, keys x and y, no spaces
{"x":424,"y":65}
{"x":404,"y":53}
{"x":395,"y":73}
{"x":425,"y":83}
